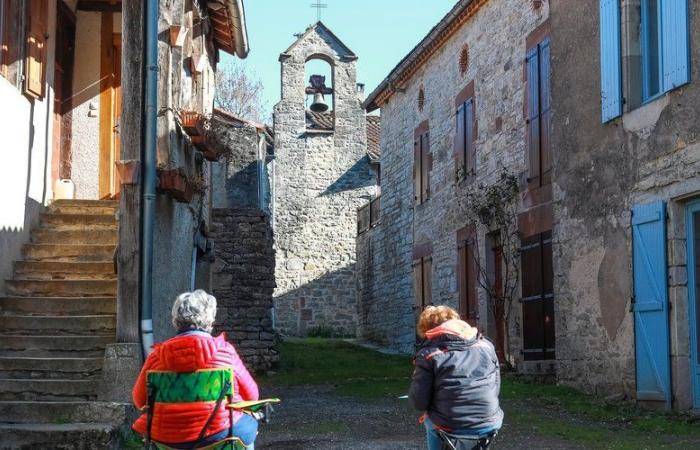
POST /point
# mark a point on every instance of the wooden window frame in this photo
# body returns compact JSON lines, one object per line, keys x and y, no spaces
{"x":538,"y":114}
{"x":422,"y":163}
{"x":466,"y":134}
{"x":423,"y":275}
{"x":467,"y":274}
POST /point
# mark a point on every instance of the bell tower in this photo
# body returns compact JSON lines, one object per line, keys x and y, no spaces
{"x":321,"y":177}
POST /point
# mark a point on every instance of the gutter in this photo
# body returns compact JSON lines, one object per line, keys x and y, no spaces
{"x":149,"y":172}
{"x":237,"y":13}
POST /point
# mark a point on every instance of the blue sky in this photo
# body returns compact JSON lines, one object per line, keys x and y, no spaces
{"x":380,"y":32}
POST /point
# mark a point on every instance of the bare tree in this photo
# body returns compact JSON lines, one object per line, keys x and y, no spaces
{"x":494,"y":206}
{"x":239,"y":92}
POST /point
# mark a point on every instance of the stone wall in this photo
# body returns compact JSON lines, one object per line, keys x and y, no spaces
{"x":602,"y":171}
{"x":320,"y":181}
{"x":243,"y":283}
{"x":496,"y":37}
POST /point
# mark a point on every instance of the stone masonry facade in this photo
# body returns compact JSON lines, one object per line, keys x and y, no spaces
{"x":602,"y":171}
{"x":321,"y":178}
{"x":243,"y":283}
{"x":496,"y":37}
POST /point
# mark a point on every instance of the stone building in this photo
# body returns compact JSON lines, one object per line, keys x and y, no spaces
{"x":454,"y":117}
{"x":243,"y":258}
{"x":75,"y":270}
{"x":626,"y":130}
{"x":322,"y":175}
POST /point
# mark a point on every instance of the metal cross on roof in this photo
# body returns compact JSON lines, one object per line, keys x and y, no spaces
{"x":319,"y":6}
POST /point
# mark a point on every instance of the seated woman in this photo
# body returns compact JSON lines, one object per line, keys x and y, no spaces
{"x":194,"y":348}
{"x":456,"y":382}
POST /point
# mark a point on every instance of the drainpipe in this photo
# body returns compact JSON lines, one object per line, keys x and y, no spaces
{"x":149,"y":179}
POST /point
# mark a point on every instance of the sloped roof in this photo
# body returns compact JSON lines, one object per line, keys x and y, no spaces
{"x":319,"y":121}
{"x":227,"y":18}
{"x":319,"y":26}
{"x":374,"y":124}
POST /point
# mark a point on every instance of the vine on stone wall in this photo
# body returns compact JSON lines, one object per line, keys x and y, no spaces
{"x":495,"y":207}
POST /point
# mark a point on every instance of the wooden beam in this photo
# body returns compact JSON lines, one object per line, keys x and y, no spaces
{"x":100,"y":5}
{"x":131,"y":129}
{"x":106,"y":117}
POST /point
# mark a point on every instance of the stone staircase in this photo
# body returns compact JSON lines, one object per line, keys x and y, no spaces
{"x":57,"y":316}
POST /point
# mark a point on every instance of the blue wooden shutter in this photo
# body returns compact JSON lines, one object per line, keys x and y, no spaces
{"x":533,"y":112}
{"x":545,"y":111}
{"x":652,"y":349}
{"x":610,"y":59}
{"x":675,"y":45}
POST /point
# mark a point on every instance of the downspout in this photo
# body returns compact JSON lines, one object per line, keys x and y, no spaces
{"x":149,"y":179}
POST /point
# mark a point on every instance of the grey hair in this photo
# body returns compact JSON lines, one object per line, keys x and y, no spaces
{"x":194,"y":310}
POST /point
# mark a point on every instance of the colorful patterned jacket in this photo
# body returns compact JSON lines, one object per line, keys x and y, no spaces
{"x":193,"y":350}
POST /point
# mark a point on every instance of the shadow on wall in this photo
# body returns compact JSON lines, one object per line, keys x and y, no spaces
{"x":360,"y":175}
{"x":242,"y":187}
{"x":324,"y":304}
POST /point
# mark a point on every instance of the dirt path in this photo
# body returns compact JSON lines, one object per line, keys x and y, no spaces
{"x":315,"y":417}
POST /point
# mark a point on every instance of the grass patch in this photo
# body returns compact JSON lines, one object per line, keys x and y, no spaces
{"x":356,"y":371}
{"x":617,"y":426}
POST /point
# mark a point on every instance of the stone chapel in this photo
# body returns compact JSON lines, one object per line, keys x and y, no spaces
{"x":325,"y":168}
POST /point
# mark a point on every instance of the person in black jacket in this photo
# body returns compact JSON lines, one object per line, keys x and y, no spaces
{"x":456,"y":382}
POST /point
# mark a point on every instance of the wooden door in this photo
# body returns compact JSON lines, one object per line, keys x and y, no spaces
{"x":116,"y":111}
{"x":693,"y":229}
{"x":110,"y":107}
{"x":63,"y":87}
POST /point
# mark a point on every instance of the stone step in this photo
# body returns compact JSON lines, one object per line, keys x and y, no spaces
{"x":64,"y":346}
{"x":103,"y":325}
{"x":89,"y":209}
{"x":70,"y":436}
{"x":86,"y":202}
{"x":61,"y":288}
{"x":106,"y":235}
{"x":84,"y":220}
{"x":47,"y":390}
{"x":62,"y":412}
{"x":68,"y":252}
{"x":51,"y":368}
{"x":57,"y":306}
{"x":61,"y":270}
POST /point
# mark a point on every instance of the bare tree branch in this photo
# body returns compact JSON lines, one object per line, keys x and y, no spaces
{"x":239,"y":92}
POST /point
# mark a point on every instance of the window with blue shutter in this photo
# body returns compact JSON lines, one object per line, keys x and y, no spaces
{"x":675,"y":43}
{"x":610,"y":59}
{"x":662,"y":31}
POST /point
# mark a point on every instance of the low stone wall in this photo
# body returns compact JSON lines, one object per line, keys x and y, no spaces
{"x":243,"y":279}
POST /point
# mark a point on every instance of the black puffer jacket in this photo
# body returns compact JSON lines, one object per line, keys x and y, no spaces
{"x":457,"y":382}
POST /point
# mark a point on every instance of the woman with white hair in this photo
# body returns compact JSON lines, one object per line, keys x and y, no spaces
{"x":195,"y":424}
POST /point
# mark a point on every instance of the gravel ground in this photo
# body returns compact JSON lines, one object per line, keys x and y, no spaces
{"x":315,"y":417}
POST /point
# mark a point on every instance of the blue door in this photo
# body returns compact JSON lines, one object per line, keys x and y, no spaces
{"x":693,"y":229}
{"x":651,"y":329}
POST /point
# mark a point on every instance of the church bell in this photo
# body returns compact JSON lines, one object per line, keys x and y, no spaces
{"x":319,"y":105}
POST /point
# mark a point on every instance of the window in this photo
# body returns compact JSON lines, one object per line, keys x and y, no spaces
{"x":422,"y":163}
{"x":539,"y":114}
{"x":467,"y":274}
{"x":10,"y":40}
{"x":35,"y":48}
{"x":655,"y":29}
{"x":465,"y":138}
{"x":423,"y":275}
{"x":538,"y":297}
